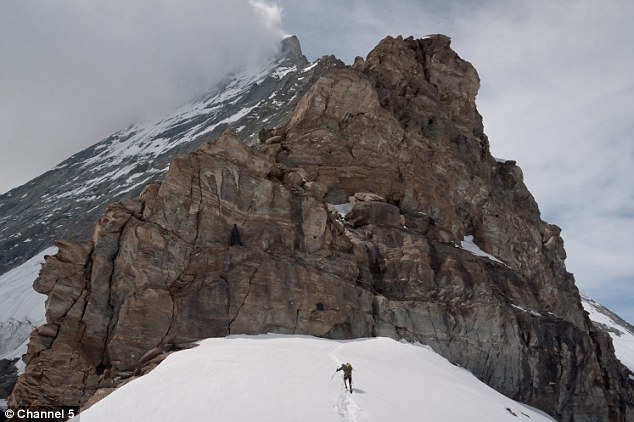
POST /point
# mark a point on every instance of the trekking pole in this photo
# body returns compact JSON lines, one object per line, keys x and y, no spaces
{"x":333,"y":375}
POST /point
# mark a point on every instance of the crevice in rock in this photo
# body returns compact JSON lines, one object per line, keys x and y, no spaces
{"x":193,"y":244}
{"x":296,"y":321}
{"x":104,"y":362}
{"x":300,"y":306}
{"x":298,"y":218}
{"x":166,"y":337}
{"x":244,"y":300}
{"x":200,"y":206}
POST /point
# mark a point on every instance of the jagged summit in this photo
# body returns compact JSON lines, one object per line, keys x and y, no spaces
{"x":446,"y":40}
{"x":374,"y":208}
{"x":292,"y":49}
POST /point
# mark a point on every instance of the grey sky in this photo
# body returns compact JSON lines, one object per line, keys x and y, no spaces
{"x":557,"y":89}
{"x":74,"y":71}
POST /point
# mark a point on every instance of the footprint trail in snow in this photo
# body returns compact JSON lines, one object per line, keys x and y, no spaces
{"x":346,"y":406}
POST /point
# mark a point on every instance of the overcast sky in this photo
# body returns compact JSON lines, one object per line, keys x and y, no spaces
{"x":74,"y":71}
{"x":557,"y":90}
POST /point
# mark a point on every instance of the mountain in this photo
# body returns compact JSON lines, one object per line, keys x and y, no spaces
{"x":288,"y":378}
{"x":65,"y":202}
{"x":373,"y":208}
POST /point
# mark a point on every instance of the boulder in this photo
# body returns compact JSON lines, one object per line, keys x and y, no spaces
{"x":374,"y":212}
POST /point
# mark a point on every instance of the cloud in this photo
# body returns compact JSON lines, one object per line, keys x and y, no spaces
{"x":74,"y":71}
{"x":351,"y":28}
{"x":271,"y":13}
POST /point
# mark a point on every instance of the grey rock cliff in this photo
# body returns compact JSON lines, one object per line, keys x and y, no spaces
{"x":397,"y":142}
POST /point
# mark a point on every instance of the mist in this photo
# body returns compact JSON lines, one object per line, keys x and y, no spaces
{"x":75,"y":71}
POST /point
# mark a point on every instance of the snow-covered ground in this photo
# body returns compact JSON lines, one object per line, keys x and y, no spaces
{"x":288,"y":378}
{"x":622,"y":334}
{"x":21,"y":307}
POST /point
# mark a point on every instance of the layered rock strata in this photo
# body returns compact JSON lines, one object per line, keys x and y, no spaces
{"x":351,"y":218}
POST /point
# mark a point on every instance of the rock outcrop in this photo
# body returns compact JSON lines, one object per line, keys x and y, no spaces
{"x":351,"y":216}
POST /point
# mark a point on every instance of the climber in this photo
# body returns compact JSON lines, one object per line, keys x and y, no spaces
{"x":347,"y":375}
{"x":235,"y":236}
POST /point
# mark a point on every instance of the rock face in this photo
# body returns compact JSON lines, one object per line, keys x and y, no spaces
{"x":350,"y":217}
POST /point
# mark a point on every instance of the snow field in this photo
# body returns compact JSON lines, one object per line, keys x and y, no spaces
{"x":288,"y":378}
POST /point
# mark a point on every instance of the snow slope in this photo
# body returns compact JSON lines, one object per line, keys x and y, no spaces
{"x":21,"y":307}
{"x":287,"y":378}
{"x":621,"y":332}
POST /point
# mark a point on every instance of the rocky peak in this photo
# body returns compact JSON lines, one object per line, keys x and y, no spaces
{"x":358,"y":217}
{"x":292,"y":50}
{"x":409,"y":71}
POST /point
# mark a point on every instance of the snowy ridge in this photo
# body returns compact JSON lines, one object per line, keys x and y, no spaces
{"x":286,"y":378}
{"x":150,"y":139}
{"x":621,"y":332}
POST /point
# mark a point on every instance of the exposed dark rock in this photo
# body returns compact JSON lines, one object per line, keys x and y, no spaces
{"x":9,"y":376}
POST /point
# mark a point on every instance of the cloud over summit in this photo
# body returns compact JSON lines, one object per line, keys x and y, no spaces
{"x":75,"y":71}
